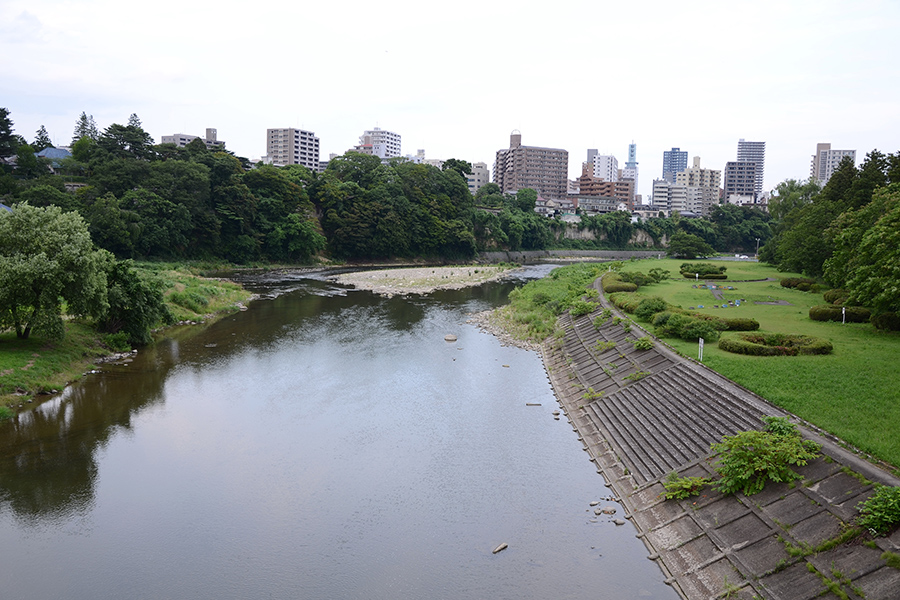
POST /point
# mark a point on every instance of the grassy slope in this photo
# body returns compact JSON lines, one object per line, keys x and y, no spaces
{"x":851,"y":393}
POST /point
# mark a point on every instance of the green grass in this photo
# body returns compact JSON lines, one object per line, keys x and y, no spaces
{"x":850,"y":393}
{"x":37,"y":365}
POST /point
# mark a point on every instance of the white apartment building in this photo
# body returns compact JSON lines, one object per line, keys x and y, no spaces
{"x":383,"y":144}
{"x":703,"y":187}
{"x":826,"y":160}
{"x":183,"y":139}
{"x":479,"y":176}
{"x":292,"y":147}
{"x":606,"y":166}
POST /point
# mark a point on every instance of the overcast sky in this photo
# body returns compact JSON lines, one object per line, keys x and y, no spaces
{"x":455,"y":78}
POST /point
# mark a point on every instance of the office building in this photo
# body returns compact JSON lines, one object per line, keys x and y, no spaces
{"x":754,"y":152}
{"x":543,"y":169}
{"x":290,"y":146}
{"x":674,"y":162}
{"x":826,"y":160}
{"x":182,"y":139}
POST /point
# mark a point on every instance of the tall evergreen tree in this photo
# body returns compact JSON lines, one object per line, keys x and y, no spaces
{"x":8,"y":140}
{"x":85,"y":127}
{"x":41,"y":140}
{"x":134,"y":121}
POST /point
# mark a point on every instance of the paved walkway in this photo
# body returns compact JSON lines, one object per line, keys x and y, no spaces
{"x":644,"y":414}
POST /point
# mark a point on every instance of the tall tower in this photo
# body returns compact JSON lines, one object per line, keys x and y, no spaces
{"x":631,"y":166}
{"x":754,"y":152}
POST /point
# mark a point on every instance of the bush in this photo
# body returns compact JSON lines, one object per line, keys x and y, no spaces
{"x":679,"y":488}
{"x":688,"y":327}
{"x":775,"y":344}
{"x":830,"y":312}
{"x":795,"y":282}
{"x":729,"y":323}
{"x":580,"y":307}
{"x":627,"y":301}
{"x":880,"y":514}
{"x":642,"y":343}
{"x":751,"y":458}
{"x":886,"y":321}
{"x":836,"y":296}
{"x":649,"y":307}
{"x":117,"y":342}
{"x":189,"y":300}
{"x":6,"y":413}
{"x":703,"y":269}
{"x":692,"y":275}
{"x":618,"y":286}
{"x":636,"y":277}
{"x":661,"y":318}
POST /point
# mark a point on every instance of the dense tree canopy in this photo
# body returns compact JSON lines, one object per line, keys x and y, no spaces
{"x":47,"y":258}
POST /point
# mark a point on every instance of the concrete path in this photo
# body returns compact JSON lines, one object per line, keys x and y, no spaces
{"x":643,"y":414}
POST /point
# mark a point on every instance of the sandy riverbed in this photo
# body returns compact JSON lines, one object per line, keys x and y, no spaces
{"x":420,"y":280}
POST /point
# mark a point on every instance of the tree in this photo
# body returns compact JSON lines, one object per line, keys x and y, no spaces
{"x":460,"y":166}
{"x":8,"y":140}
{"x":791,"y":194}
{"x":135,"y":304}
{"x":85,"y":127}
{"x":28,"y":164}
{"x":47,"y":258}
{"x":127,"y":141}
{"x":134,"y":121}
{"x":688,"y":245}
{"x":41,"y":140}
{"x":525,"y":199}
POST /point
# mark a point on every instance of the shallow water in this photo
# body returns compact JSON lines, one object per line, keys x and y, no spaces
{"x":324,"y":444}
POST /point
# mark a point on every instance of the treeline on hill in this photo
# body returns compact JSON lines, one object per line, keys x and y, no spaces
{"x":142,"y":200}
{"x":846,"y":234}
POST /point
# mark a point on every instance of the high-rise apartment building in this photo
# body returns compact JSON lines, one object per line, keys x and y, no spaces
{"x":479,"y":176}
{"x":754,"y":152}
{"x":381,"y":143}
{"x":826,"y":160}
{"x":606,"y":166}
{"x":182,"y":139}
{"x":542,"y":169}
{"x":292,"y":147}
{"x":674,"y":162}
{"x":740,"y":181}
{"x":703,"y":184}
{"x":589,"y":185}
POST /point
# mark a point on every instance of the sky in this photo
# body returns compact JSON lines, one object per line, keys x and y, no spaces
{"x":455,"y":79}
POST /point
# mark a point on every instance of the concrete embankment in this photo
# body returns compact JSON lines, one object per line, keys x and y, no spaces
{"x":643,"y":414}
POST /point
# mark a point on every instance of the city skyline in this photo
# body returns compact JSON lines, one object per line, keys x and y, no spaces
{"x":415,"y":78}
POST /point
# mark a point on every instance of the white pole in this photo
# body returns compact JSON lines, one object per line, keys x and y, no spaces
{"x":701,"y":349}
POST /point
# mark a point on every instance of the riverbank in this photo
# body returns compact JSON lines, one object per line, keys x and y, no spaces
{"x":34,"y":369}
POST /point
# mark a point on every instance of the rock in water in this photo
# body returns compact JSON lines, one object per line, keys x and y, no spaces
{"x":500,"y":548}
{"x":450,"y":337}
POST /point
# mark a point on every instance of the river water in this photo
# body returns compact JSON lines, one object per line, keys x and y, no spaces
{"x":326,"y":443}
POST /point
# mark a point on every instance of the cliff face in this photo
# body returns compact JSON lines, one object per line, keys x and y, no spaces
{"x":638,"y":238}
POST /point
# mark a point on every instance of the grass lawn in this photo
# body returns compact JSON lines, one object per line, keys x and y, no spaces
{"x":853,"y":393}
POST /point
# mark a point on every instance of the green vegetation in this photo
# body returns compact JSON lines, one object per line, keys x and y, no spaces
{"x":747,"y":460}
{"x":880,"y":514}
{"x":891,"y":559}
{"x":533,"y":309}
{"x":680,"y":488}
{"x":775,"y":344}
{"x":601,"y":346}
{"x":642,"y":343}
{"x":848,"y":393}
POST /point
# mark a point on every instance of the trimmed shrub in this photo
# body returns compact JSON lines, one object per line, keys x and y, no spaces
{"x":627,"y":301}
{"x":649,"y":307}
{"x":729,"y":323}
{"x":688,"y":327}
{"x":692,"y":275}
{"x":775,"y":344}
{"x":703,"y":269}
{"x":618,"y":286}
{"x":699,"y":329}
{"x":661,"y":318}
{"x":836,"y":296}
{"x":886,"y":321}
{"x":830,"y":312}
{"x":796,"y":282}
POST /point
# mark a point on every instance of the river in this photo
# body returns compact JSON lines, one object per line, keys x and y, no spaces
{"x":326,"y":443}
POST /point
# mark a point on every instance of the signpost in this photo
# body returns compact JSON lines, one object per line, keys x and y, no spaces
{"x":701,"y":349}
